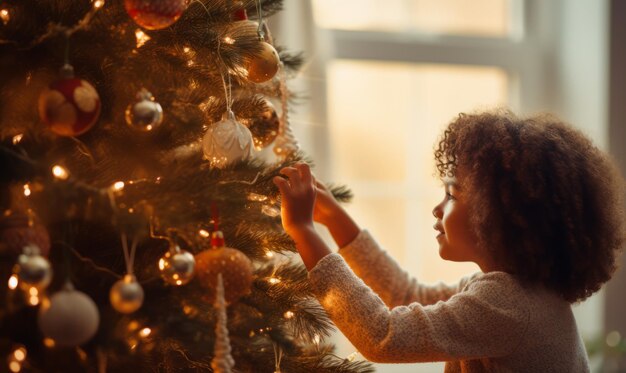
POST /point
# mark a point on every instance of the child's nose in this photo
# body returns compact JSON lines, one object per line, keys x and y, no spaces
{"x":437,"y":211}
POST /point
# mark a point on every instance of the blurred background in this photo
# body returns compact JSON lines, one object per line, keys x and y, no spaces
{"x":384,"y":77}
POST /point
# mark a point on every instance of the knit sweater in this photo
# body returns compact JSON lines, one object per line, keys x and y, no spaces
{"x":486,"y":323}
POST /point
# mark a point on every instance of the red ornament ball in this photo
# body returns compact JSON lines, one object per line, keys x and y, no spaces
{"x":16,"y":232}
{"x":235,"y":267}
{"x":155,"y":14}
{"x":69,"y":106}
{"x":262,"y":66}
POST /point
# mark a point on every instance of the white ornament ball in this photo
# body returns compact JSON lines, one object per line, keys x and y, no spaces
{"x":226,"y":142}
{"x":145,"y":114}
{"x":177,"y":266}
{"x":69,"y":317}
{"x":126,"y":295}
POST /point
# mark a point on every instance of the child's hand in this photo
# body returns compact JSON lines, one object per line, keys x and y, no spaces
{"x":326,"y":206}
{"x":298,"y":194}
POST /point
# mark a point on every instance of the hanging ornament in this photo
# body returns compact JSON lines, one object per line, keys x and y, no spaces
{"x":18,"y":230}
{"x":69,"y":317}
{"x":177,"y":265}
{"x":286,"y":143}
{"x":126,"y":295}
{"x":155,"y":14}
{"x":69,"y":106}
{"x":223,"y":361}
{"x":227,"y":141}
{"x":235,"y":267}
{"x":264,"y":127}
{"x":263,"y":65}
{"x":145,"y":114}
{"x":32,"y":270}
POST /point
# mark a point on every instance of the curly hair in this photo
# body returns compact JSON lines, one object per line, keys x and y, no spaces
{"x":545,"y":203}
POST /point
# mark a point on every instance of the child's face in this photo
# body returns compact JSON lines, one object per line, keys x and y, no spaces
{"x":457,"y":241}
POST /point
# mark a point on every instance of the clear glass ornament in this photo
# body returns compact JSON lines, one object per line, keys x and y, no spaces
{"x":145,"y":114}
{"x":32,"y":270}
{"x":126,"y":295}
{"x":177,"y":266}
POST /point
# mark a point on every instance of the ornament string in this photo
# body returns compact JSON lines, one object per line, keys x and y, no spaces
{"x":278,"y":356}
{"x":129,"y":256}
{"x":259,"y":10}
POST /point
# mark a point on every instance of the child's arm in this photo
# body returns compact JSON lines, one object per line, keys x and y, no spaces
{"x":298,"y":198}
{"x":372,"y":264}
{"x":488,"y":319}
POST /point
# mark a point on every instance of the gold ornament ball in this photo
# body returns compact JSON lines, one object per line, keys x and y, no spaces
{"x":235,"y":267}
{"x":264,"y":127}
{"x":264,"y":65}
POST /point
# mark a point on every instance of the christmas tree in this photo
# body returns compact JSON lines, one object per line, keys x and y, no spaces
{"x":140,"y":229}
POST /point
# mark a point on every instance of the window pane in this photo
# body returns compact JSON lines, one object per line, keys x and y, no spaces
{"x":460,"y":17}
{"x":384,"y":119}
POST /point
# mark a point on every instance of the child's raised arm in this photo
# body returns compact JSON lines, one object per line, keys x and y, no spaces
{"x":298,"y":199}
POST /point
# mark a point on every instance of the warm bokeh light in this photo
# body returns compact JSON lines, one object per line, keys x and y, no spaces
{"x":60,"y":173}
{"x":145,"y":332}
{"x":19,"y":354}
{"x":4,"y":15}
{"x":17,"y":139}
{"x":27,"y":190}
{"x":13,"y":282}
{"x":142,"y":37}
{"x":98,"y":4}
{"x":204,"y":233}
{"x":119,"y":185}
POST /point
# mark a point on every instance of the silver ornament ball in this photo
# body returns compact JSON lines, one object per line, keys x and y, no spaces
{"x":126,"y":295}
{"x":145,"y":114}
{"x":69,"y":317}
{"x":177,"y":266}
{"x":226,"y":142}
{"x":32,"y":270}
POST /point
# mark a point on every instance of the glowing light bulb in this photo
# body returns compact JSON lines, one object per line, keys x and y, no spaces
{"x":27,"y":190}
{"x":19,"y":354}
{"x":229,"y":40}
{"x":13,"y":282}
{"x":288,"y":314}
{"x":204,"y":233}
{"x":119,"y":185}
{"x":145,"y":332}
{"x":49,"y":342}
{"x":16,"y":138}
{"x":33,"y":300}
{"x":60,"y":172}
{"x":98,"y":4}
{"x":4,"y":15}
{"x":187,"y":50}
{"x":273,"y":280}
{"x":269,"y":254}
{"x":15,"y":366}
{"x":142,"y":37}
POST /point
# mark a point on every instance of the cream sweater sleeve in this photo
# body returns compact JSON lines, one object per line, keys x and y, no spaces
{"x":487,"y":319}
{"x":385,"y":277}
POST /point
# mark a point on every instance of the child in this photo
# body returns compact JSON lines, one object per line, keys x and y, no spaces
{"x":531,"y":201}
